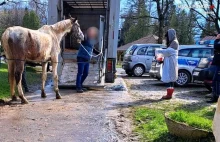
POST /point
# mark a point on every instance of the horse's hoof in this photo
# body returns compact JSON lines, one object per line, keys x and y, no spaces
{"x":24,"y":101}
{"x":58,"y":96}
{"x":14,"y":98}
{"x":43,"y":95}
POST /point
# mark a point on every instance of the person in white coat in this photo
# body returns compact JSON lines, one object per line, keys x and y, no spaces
{"x":170,"y":63}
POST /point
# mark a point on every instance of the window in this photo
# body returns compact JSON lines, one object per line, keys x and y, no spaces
{"x":201,"y":53}
{"x":151,"y":50}
{"x":184,"y":52}
{"x":131,"y":50}
{"x":142,"y":51}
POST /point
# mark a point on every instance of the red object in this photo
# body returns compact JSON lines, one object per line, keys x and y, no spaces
{"x":169,"y":94}
{"x":109,"y":66}
{"x":212,"y":7}
{"x":160,"y":59}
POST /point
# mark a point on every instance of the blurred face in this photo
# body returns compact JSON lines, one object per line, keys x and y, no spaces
{"x":92,"y":33}
{"x":218,"y":36}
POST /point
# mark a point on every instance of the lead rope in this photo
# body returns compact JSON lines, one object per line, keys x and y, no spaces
{"x":99,"y":59}
{"x":89,"y":53}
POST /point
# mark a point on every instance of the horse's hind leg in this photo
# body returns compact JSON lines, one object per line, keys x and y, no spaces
{"x":44,"y":77}
{"x":18,"y":76}
{"x":11,"y":77}
{"x":55,"y":77}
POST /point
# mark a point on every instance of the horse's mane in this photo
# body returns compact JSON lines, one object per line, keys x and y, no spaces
{"x":62,"y":25}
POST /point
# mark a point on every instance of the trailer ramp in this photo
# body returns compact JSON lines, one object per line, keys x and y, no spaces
{"x":68,"y":72}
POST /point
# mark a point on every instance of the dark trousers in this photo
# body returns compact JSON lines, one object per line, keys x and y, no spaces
{"x":216,"y":83}
{"x":23,"y":81}
{"x":83,"y":71}
{"x":170,"y":84}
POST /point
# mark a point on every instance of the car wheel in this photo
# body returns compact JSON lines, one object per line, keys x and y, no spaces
{"x":208,"y":87}
{"x":129,"y":73}
{"x":138,"y":70}
{"x":183,"y":78}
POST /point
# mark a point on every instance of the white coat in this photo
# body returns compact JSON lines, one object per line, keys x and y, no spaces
{"x":170,"y":64}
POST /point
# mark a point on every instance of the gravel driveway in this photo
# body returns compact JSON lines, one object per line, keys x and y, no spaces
{"x":147,"y":88}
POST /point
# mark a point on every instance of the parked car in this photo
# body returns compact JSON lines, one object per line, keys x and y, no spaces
{"x":188,"y":58}
{"x":138,"y":59}
{"x":204,"y":72}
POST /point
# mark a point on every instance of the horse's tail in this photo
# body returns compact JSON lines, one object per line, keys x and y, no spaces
{"x":16,"y":63}
{"x":5,"y":44}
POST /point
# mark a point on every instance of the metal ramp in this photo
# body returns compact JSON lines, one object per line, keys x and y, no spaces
{"x":67,"y":71}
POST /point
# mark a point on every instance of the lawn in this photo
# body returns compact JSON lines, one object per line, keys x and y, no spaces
{"x":150,"y":123}
{"x":33,"y":79}
{"x":118,"y":66}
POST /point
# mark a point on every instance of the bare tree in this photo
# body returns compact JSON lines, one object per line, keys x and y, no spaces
{"x":211,"y":14}
{"x":158,"y":16}
{"x":162,"y":10}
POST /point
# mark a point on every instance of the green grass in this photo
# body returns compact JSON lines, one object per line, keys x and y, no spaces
{"x":150,"y":123}
{"x":191,"y":119}
{"x":118,"y":66}
{"x":4,"y":85}
{"x":33,"y":79}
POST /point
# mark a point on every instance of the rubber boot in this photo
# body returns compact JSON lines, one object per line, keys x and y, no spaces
{"x":169,"y":94}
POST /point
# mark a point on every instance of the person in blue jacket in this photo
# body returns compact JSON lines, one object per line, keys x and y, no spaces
{"x":84,"y":56}
{"x":216,"y":78}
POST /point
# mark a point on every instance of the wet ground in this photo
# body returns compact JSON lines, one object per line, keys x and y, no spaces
{"x":94,"y":116}
{"x":88,"y":117}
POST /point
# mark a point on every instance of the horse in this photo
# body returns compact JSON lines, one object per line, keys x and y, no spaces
{"x":42,"y":45}
{"x":216,"y":123}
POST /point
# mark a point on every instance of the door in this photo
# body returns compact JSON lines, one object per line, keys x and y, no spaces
{"x":140,"y":57}
{"x":102,"y":61}
{"x":149,"y":56}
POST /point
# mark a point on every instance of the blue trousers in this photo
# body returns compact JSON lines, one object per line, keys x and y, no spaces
{"x":170,"y":84}
{"x":216,"y":83}
{"x":83,"y":71}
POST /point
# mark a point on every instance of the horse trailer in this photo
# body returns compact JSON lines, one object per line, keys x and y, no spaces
{"x":103,"y":14}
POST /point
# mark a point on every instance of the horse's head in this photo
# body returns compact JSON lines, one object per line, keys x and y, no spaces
{"x":76,"y":31}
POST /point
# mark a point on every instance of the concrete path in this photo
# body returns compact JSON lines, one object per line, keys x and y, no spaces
{"x":89,"y":117}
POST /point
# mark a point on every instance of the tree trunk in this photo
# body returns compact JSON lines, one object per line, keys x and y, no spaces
{"x":161,"y":30}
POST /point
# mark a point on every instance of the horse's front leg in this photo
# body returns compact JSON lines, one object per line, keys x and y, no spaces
{"x":44,"y":77}
{"x":55,"y":77}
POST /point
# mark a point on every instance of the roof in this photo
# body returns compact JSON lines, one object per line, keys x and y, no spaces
{"x":194,"y":46}
{"x":87,"y":3}
{"x":145,"y":40}
{"x":208,"y":38}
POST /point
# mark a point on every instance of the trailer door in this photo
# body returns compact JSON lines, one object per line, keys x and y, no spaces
{"x":113,"y":26}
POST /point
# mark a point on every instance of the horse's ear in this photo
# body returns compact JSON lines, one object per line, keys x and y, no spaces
{"x":70,"y":15}
{"x":74,"y":19}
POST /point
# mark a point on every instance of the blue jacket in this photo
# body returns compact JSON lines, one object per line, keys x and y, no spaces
{"x":216,"y":59}
{"x":82,"y":53}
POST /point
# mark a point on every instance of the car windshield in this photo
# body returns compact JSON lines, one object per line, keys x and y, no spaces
{"x":131,"y":50}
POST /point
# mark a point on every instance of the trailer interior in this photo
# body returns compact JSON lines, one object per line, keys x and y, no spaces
{"x":90,"y":13}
